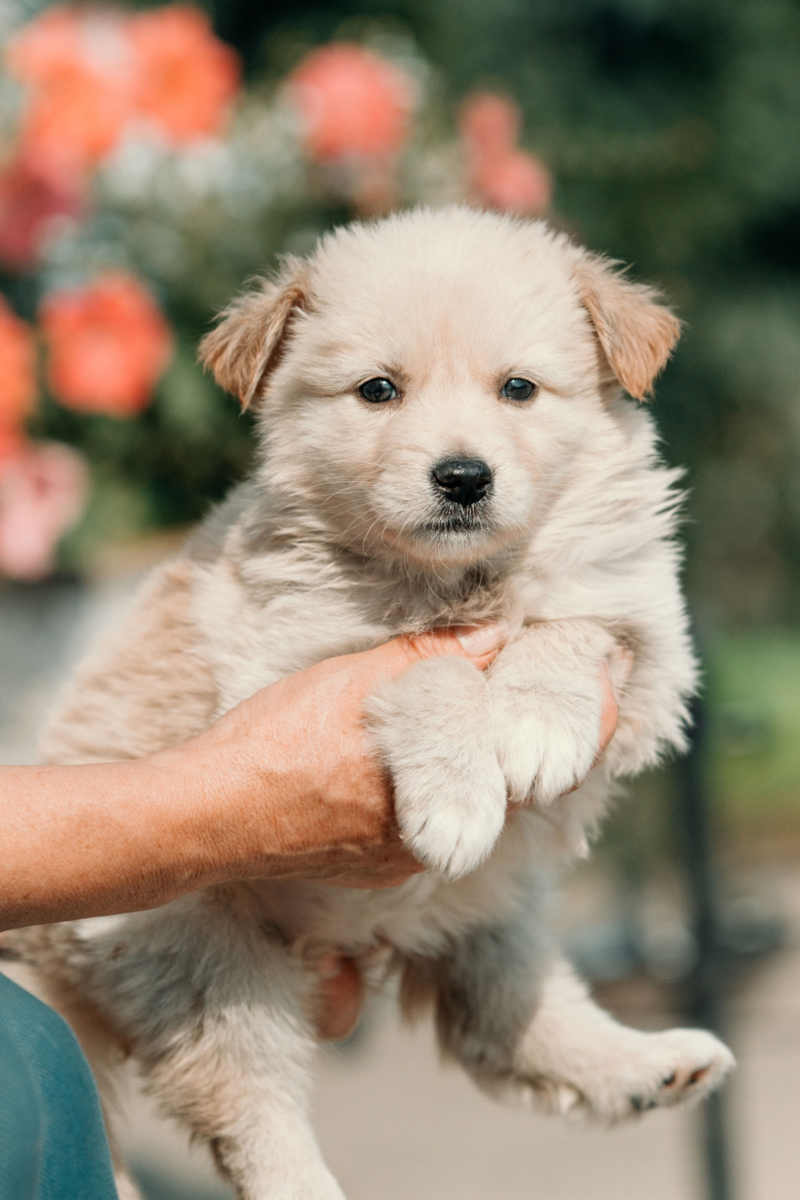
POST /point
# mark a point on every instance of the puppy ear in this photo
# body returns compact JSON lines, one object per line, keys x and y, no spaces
{"x":247,"y":341}
{"x":636,"y":333}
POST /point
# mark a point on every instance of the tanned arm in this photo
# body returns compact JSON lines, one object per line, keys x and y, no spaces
{"x":282,"y":786}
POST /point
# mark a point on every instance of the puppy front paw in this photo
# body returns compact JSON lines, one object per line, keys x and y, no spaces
{"x":545,"y":742}
{"x":434,"y":734}
{"x":454,"y":830}
{"x":547,"y":692}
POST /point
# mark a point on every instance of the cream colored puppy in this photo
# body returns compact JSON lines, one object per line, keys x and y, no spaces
{"x":444,"y":440}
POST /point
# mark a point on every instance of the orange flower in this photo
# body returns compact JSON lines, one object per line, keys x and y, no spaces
{"x":78,"y":66}
{"x":352,"y":103}
{"x":90,"y":72}
{"x":187,"y":78}
{"x":12,"y":440}
{"x":43,"y":490}
{"x":108,"y":345}
{"x":503,"y":176}
{"x":17,"y":371}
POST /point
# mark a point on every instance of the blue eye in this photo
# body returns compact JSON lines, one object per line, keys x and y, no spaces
{"x":518,"y":389}
{"x":378,"y":391}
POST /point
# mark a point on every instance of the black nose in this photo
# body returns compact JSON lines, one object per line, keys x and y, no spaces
{"x":463,"y":480}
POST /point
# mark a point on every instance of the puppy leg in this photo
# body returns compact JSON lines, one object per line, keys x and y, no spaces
{"x":240,"y":1081}
{"x":519,"y":1020}
{"x":546,"y":701}
{"x":434,"y":734}
{"x":575,"y":1056}
{"x":126,"y":1188}
{"x":213,"y":1006}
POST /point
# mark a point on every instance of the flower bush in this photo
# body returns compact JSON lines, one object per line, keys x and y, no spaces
{"x":140,"y":184}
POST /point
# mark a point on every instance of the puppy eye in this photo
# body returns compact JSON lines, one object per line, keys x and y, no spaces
{"x":518,"y":389}
{"x":378,"y":391}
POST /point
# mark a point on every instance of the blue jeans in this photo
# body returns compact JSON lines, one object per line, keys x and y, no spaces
{"x":52,"y":1141}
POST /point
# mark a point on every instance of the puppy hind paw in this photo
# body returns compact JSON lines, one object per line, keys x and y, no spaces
{"x":696,"y":1063}
{"x":656,"y":1070}
{"x":680,"y":1066}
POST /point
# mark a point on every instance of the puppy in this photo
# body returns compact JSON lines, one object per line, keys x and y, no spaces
{"x":443,"y":440}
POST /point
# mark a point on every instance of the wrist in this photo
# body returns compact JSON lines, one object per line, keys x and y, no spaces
{"x":170,"y":847}
{"x":187,"y":807}
{"x":226,"y":803}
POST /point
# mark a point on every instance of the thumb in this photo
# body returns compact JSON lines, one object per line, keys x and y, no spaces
{"x":480,"y":643}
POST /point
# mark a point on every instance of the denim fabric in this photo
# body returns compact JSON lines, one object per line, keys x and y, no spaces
{"x":52,"y":1141}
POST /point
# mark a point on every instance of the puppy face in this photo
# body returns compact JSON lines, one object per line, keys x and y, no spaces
{"x":431,"y":378}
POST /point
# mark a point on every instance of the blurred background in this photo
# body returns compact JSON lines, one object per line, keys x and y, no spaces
{"x":152,"y":157}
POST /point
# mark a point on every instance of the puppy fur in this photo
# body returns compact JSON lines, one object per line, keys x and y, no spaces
{"x":340,"y":541}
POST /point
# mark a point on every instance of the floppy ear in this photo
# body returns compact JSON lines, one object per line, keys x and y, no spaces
{"x":636,"y":333}
{"x":247,"y":340}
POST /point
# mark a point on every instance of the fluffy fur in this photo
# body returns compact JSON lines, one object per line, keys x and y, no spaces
{"x":338,"y":542}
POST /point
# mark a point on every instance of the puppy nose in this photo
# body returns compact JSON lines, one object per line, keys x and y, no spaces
{"x":463,"y":480}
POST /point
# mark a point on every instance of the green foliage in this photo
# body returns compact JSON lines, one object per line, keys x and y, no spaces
{"x":755,"y":761}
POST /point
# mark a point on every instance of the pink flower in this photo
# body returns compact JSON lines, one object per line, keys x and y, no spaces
{"x":352,"y":103}
{"x":108,"y":345}
{"x":490,"y":125}
{"x":502,"y":176}
{"x":43,"y":488}
{"x":515,"y":183}
{"x":30,"y":205}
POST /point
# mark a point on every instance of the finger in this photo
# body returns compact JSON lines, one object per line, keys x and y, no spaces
{"x":609,"y":715}
{"x":339,"y":997}
{"x":613,"y":677}
{"x":396,"y":875}
{"x":610,"y":711}
{"x":374,"y":877}
{"x":480,"y":643}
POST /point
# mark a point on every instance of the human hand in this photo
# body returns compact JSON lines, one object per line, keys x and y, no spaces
{"x":282,"y":786}
{"x":293,"y":785}
{"x":610,"y":712}
{"x":294,"y":789}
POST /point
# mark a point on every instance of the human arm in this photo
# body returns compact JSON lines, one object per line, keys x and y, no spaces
{"x":282,"y":786}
